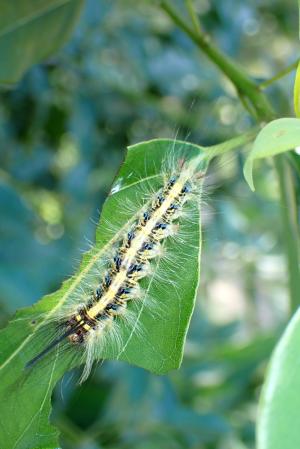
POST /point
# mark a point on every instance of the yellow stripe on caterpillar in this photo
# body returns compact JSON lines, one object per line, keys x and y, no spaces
{"x":140,"y":237}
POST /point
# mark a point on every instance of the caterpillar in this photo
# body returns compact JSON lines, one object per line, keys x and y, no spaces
{"x":114,"y":291}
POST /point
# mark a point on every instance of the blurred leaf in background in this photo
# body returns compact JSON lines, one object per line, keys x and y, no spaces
{"x":31,"y":31}
{"x":127,"y":75}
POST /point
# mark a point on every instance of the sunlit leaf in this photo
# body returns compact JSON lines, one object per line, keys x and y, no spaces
{"x":297,"y":92}
{"x":276,"y":137}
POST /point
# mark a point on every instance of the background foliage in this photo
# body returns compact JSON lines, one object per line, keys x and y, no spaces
{"x":129,"y":75}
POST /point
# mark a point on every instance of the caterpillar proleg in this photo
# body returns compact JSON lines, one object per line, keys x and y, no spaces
{"x":132,"y":288}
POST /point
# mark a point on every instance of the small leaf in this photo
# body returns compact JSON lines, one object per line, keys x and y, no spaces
{"x":278,"y":420}
{"x":276,"y":137}
{"x":297,"y":92}
{"x":30,"y":31}
{"x":25,"y":393}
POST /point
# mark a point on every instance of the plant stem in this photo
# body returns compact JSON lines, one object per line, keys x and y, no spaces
{"x":237,"y":75}
{"x":260,"y":108}
{"x":290,"y":225}
{"x":279,"y":75}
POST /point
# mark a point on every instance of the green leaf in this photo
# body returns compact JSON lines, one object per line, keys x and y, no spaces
{"x":276,"y":137}
{"x":278,"y":420}
{"x":297,"y":92}
{"x":32,"y":30}
{"x":25,"y":393}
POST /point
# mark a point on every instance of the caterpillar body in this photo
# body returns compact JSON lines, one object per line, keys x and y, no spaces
{"x":115,"y":291}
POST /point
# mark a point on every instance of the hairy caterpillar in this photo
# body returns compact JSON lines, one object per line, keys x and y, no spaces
{"x":117,"y":288}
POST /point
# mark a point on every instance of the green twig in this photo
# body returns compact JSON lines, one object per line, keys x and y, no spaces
{"x":234,"y":72}
{"x":260,"y":108}
{"x":279,"y":75}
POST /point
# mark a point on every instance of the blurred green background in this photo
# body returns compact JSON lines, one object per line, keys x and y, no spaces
{"x":127,"y":75}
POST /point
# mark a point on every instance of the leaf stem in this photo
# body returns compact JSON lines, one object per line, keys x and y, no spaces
{"x":233,"y":143}
{"x":279,"y":75}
